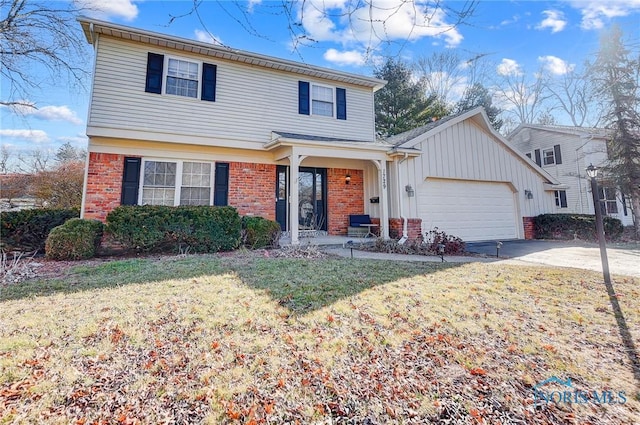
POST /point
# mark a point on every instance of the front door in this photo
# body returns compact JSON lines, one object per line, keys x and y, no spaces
{"x":312,"y":195}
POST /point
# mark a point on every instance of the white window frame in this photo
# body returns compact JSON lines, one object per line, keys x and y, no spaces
{"x":544,"y":156}
{"x":559,"y":200}
{"x":607,"y":202}
{"x":178,"y":184}
{"x":165,"y":75}
{"x":333,"y":100}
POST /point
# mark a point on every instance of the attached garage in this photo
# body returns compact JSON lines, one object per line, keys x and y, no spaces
{"x":471,"y":210}
{"x":459,"y":175}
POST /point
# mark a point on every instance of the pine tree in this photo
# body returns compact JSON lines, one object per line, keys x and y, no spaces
{"x":616,"y":76}
{"x":478,"y":95}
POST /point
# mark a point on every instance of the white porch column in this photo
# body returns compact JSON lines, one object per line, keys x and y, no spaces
{"x":294,"y":165}
{"x":381,"y":165}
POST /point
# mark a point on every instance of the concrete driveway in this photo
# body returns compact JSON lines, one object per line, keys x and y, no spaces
{"x":623,"y":259}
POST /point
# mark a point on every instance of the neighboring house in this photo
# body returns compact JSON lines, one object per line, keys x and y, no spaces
{"x":459,"y":175}
{"x":565,"y":153}
{"x":175,"y":121}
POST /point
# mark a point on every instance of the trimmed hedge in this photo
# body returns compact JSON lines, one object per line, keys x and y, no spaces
{"x":258,"y":232}
{"x":76,"y":239}
{"x":571,"y":226}
{"x":153,"y":228}
{"x":27,"y":230}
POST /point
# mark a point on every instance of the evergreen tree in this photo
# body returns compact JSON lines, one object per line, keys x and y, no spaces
{"x":616,"y":76}
{"x":478,"y":95}
{"x":402,"y":104}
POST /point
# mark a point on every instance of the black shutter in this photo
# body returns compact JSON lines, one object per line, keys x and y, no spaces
{"x":563,"y":199}
{"x":303,"y":98}
{"x":130,"y":181}
{"x":538,"y":158}
{"x":221,"y":188}
{"x":208,"y":82}
{"x":341,"y":104}
{"x":557,"y":155}
{"x":155,"y":64}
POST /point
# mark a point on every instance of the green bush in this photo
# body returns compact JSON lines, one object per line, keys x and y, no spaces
{"x":27,"y":230}
{"x":76,"y":239}
{"x":152,"y":228}
{"x":571,"y":226}
{"x":258,"y":232}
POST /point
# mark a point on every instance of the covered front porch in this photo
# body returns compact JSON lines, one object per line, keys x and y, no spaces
{"x":321,"y":181}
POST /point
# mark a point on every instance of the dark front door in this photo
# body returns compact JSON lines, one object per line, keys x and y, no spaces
{"x":312,"y":195}
{"x":281,"y":196}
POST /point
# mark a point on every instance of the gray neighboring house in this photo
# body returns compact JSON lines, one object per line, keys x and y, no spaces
{"x":565,"y":152}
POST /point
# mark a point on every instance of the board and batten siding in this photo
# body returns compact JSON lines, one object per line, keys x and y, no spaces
{"x":464,"y":151}
{"x":250,"y":101}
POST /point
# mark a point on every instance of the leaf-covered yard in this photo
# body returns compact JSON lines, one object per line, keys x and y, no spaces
{"x":241,"y":338}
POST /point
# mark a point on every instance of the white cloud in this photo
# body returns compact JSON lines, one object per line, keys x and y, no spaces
{"x":35,"y":136}
{"x":554,"y":20}
{"x":347,"y":57}
{"x":509,"y":67}
{"x":596,"y":12}
{"x":125,"y":9}
{"x":385,"y":20}
{"x":205,"y":37}
{"x":53,"y":113}
{"x":555,"y":65}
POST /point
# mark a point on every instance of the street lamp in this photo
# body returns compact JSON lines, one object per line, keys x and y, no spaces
{"x":592,"y":172}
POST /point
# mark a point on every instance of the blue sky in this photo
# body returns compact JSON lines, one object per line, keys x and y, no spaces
{"x":516,"y":36}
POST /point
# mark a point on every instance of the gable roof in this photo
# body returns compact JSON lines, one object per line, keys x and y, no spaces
{"x":91,"y":27}
{"x":478,"y":116}
{"x":602,"y":133}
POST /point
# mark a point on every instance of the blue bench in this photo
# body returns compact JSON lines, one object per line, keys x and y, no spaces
{"x":356,"y":228}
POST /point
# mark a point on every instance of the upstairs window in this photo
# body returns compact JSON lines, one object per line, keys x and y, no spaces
{"x":322,"y":101}
{"x":182,"y":78}
{"x":548,"y":157}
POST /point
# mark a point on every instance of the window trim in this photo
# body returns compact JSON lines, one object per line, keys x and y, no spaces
{"x":333,"y":100}
{"x":178,"y":185}
{"x":605,"y":202}
{"x":544,"y":156}
{"x":558,"y":199}
{"x":165,"y":75}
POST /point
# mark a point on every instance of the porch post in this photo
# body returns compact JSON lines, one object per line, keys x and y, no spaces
{"x":381,"y":165}
{"x":294,"y":165}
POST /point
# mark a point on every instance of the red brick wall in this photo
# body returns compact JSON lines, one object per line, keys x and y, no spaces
{"x":104,"y":184}
{"x":252,"y":189}
{"x":343,"y":199}
{"x":529,"y":228}
{"x":414,"y":228}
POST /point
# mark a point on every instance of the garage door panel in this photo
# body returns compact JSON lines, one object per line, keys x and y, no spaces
{"x":471,"y":210}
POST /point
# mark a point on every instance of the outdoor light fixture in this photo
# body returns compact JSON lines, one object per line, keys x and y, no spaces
{"x":441,"y":248}
{"x":528,"y":194}
{"x":592,"y":172}
{"x":347,"y":179}
{"x":498,"y":246}
{"x":410,"y":192}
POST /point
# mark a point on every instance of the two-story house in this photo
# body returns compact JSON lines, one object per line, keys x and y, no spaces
{"x":565,"y":153}
{"x":180,"y":122}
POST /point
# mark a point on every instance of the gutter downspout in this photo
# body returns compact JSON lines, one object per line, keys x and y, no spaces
{"x":405,"y":231}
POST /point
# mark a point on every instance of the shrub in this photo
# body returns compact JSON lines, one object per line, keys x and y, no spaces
{"x":151,"y":228}
{"x":571,"y":226}
{"x":76,"y":239}
{"x":258,"y":232}
{"x":453,"y":245}
{"x":27,"y":230}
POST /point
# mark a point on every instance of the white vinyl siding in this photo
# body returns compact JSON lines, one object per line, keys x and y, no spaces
{"x":176,"y":183}
{"x":251,"y":102}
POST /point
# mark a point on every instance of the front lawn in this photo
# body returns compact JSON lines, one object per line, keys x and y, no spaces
{"x":243,"y":338}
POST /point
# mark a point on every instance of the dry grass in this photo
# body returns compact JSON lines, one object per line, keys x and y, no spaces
{"x":248,"y":339}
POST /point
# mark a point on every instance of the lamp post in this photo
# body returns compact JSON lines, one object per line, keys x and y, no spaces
{"x":592,"y":172}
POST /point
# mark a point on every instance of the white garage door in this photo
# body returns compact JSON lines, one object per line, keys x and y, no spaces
{"x":473,"y":211}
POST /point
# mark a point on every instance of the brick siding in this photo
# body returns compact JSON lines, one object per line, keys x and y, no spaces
{"x":414,"y":228}
{"x":104,"y":184}
{"x":344,"y":199}
{"x":529,"y":227}
{"x":252,"y":189}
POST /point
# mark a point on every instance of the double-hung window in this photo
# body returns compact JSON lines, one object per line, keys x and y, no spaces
{"x":548,"y":157}
{"x":182,"y":78}
{"x":561,"y":198}
{"x":176,"y":183}
{"x":321,"y":100}
{"x":607,"y":196}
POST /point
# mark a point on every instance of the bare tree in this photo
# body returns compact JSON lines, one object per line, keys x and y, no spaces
{"x":573,"y":94}
{"x":5,"y":157}
{"x":35,"y":161}
{"x":36,"y":35}
{"x":520,"y":97}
